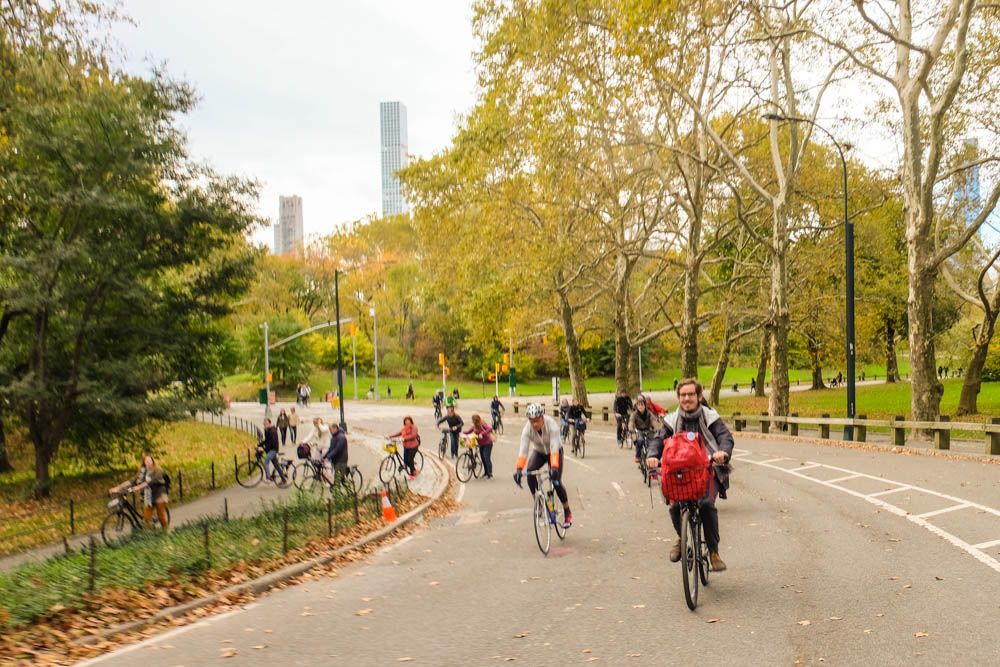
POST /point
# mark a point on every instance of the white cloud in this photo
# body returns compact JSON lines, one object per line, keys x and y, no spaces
{"x":290,"y":90}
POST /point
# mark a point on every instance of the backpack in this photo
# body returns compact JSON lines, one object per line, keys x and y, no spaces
{"x":303,"y":450}
{"x":166,"y":482}
{"x":684,"y":472}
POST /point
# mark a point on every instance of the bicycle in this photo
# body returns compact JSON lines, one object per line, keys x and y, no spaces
{"x":641,"y":441}
{"x":310,"y":475}
{"x":250,"y":473}
{"x":468,"y":464}
{"x":498,"y":423}
{"x":547,"y":512}
{"x":437,"y":411}
{"x":393,"y":464}
{"x":580,"y":438}
{"x":689,"y":486}
{"x":621,"y":429}
{"x":122,"y":519}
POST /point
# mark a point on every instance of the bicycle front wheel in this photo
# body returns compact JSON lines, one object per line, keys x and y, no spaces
{"x":387,"y":470}
{"x":441,"y":446}
{"x":249,"y":474}
{"x":282,"y":482}
{"x":560,"y":514}
{"x":465,"y":466}
{"x":303,"y":476}
{"x":703,"y":559}
{"x":542,"y":525}
{"x":689,"y":558}
{"x":583,"y":446}
{"x":116,"y":529}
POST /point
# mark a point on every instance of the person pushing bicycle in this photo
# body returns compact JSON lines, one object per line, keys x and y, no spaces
{"x":693,"y":417}
{"x":540,"y":444}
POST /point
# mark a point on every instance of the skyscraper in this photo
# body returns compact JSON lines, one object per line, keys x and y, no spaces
{"x":288,"y":230}
{"x":392,"y":117}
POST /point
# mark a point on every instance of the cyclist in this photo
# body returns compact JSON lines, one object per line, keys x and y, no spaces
{"x":574,"y":416}
{"x":564,"y":418}
{"x":152,"y":481}
{"x":623,"y":406}
{"x":496,"y":407}
{"x":436,"y":401}
{"x":540,"y":444}
{"x":645,"y":424}
{"x":692,"y":416}
{"x":455,"y":424}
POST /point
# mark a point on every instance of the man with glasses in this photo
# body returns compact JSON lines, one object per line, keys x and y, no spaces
{"x":692,"y":416}
{"x":540,"y":444}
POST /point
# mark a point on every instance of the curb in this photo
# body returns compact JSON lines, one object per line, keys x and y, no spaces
{"x":272,"y":579}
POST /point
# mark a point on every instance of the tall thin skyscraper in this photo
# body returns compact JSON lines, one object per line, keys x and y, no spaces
{"x":392,"y":117}
{"x":288,"y":230}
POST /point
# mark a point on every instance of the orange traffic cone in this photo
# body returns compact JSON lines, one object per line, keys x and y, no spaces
{"x":388,"y":513}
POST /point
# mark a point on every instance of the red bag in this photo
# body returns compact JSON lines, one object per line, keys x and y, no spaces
{"x":684,"y":467}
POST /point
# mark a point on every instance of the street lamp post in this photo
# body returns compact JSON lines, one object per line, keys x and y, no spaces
{"x":267,"y":374}
{"x":340,"y":357}
{"x":375,"y":346}
{"x":848,"y":272}
{"x":354,"y":360}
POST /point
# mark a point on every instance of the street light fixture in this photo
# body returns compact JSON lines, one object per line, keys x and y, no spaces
{"x":340,"y":357}
{"x":848,"y":271}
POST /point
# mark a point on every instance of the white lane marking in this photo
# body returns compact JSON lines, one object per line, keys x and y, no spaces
{"x":164,"y":636}
{"x":471,"y":518}
{"x":905,"y":487}
{"x":973,"y":550}
{"x":807,"y":466}
{"x":987,"y":545}
{"x":618,"y":488}
{"x":780,"y":458}
{"x":579,"y":463}
{"x":927,"y":515}
{"x":515,"y":511}
{"x":737,"y":452}
{"x":461,"y":492}
{"x":842,"y":479}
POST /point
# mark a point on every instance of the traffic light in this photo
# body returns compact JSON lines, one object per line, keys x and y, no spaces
{"x":545,"y":340}
{"x":270,"y":377}
{"x":506,"y":359}
{"x":353,"y":328}
{"x":496,"y":369}
{"x":440,"y":358}
{"x":447,"y":371}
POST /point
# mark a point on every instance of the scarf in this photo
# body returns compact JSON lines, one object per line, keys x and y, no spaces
{"x":697,"y":415}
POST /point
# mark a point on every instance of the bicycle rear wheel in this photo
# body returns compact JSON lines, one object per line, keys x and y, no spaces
{"x":442,"y":446}
{"x":418,"y":461}
{"x":499,"y":428}
{"x":704,"y":563}
{"x":583,"y":445}
{"x":465,"y":466}
{"x":303,"y":476}
{"x":387,"y":469}
{"x":249,"y":474}
{"x":116,"y":529}
{"x":689,"y":557}
{"x":542,"y":526}
{"x":279,"y":481}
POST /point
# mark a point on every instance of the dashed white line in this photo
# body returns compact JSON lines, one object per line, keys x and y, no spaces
{"x":905,"y":487}
{"x":618,"y":488}
{"x":987,"y":545}
{"x":960,"y":506}
{"x":780,"y":458}
{"x":842,"y":479}
{"x":808,"y":466}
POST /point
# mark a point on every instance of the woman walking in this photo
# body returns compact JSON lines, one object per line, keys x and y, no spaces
{"x":484,"y":439}
{"x":282,"y":424}
{"x":152,"y":482}
{"x":411,"y":443}
{"x":293,"y":425}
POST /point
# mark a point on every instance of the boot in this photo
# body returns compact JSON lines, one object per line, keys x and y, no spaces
{"x":675,"y":551}
{"x":718,"y":565}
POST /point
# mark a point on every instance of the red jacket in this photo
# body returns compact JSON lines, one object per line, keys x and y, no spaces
{"x":410,"y":436}
{"x":484,"y":436}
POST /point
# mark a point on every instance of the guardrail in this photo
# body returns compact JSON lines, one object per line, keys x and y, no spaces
{"x":941,"y":429}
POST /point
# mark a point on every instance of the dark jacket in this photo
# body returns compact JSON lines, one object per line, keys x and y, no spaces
{"x":576,"y":412}
{"x":623,"y":405}
{"x":337,"y":453}
{"x":271,"y":439}
{"x":714,"y":425}
{"x":453,"y":421}
{"x":644,"y":422}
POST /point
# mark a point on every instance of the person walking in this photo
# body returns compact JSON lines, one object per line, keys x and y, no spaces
{"x":409,"y":392}
{"x":282,"y":424}
{"x":271,"y":448}
{"x":293,"y":425}
{"x":411,"y":443}
{"x":484,"y":439}
{"x":152,"y":481}
{"x":336,"y":454}
{"x":455,"y":424}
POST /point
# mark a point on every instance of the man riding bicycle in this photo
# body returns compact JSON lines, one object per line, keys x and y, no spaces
{"x":574,"y":415}
{"x":623,"y":406}
{"x":693,"y":417}
{"x":540,"y":444}
{"x":645,"y":424}
{"x":496,"y":407}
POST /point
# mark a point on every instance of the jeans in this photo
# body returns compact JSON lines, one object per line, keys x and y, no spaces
{"x":284,"y":433}
{"x":295,"y":431}
{"x":272,"y":457}
{"x":408,"y":456}
{"x":486,"y":454}
{"x":709,"y":517}
{"x":640,"y":445}
{"x":453,"y":435}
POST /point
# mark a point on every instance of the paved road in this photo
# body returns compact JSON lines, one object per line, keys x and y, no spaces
{"x":811,"y":534}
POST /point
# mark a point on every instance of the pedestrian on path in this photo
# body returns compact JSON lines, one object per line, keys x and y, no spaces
{"x":409,"y":392}
{"x":293,"y":425}
{"x":336,"y":454}
{"x":411,"y":443}
{"x":455,"y":424}
{"x":484,"y":438}
{"x":306,"y":393}
{"x":282,"y":424}
{"x":271,"y":448}
{"x":388,"y":392}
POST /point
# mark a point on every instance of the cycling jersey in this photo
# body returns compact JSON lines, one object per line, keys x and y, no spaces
{"x":545,"y":442}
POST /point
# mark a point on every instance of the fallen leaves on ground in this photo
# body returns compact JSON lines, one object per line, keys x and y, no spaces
{"x":805,"y":622}
{"x":920,"y":634}
{"x":363,"y":612}
{"x":227,"y":652}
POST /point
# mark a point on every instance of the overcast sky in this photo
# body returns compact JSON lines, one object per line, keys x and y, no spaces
{"x":290,"y":90}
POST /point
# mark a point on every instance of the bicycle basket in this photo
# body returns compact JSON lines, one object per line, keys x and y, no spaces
{"x":685,"y":483}
{"x":390,"y":447}
{"x":113,"y":504}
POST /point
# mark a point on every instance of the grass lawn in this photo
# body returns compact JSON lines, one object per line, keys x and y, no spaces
{"x":244,"y":387}
{"x":877,"y":401}
{"x":187,"y":447}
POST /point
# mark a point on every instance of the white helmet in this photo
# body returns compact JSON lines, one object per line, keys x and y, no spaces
{"x":534,"y":410}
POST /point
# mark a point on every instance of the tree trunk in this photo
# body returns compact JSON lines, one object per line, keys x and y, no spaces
{"x":777,"y":401}
{"x":5,"y":465}
{"x":967,"y":403}
{"x":622,"y":361}
{"x":762,"y":360}
{"x":925,"y":390}
{"x":817,"y":368}
{"x":689,"y":323}
{"x":575,"y":366}
{"x":891,"y":364}
{"x":43,"y":457}
{"x":720,"y":367}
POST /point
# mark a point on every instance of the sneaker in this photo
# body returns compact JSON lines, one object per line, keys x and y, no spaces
{"x":635,"y":460}
{"x":409,"y":477}
{"x":718,"y":565}
{"x":569,"y":520}
{"x":675,"y":551}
